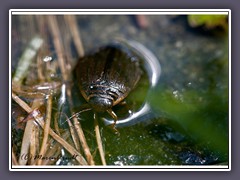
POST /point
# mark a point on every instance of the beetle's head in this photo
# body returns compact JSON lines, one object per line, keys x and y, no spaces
{"x":100,"y":104}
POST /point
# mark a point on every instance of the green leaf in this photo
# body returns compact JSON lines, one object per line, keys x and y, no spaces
{"x":209,"y":21}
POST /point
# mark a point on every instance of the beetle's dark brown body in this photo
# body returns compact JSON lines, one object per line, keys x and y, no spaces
{"x":107,"y":76}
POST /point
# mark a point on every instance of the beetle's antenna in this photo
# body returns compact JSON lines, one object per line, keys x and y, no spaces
{"x":77,"y":114}
{"x":114,"y":116}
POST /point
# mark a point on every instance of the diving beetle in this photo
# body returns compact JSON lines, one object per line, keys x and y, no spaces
{"x":107,"y":76}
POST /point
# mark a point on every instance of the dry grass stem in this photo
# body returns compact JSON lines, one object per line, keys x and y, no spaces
{"x":99,"y":141}
{"x":56,"y":127}
{"x":14,"y":158}
{"x":34,"y":139}
{"x":53,"y":151}
{"x":67,"y":146}
{"x":59,"y":49}
{"x":80,"y":133}
{"x":72,"y":23}
{"x":40,"y":69}
{"x":21,"y":103}
{"x":67,"y":44}
{"x":33,"y":150}
{"x":27,"y":137}
{"x":73,"y":135}
{"x":34,"y":144}
{"x":52,"y":22}
{"x":83,"y":141}
{"x":46,"y":128}
{"x":31,"y":137}
{"x":26,"y":143}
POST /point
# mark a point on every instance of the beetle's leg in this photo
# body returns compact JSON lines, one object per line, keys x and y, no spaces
{"x":122,"y":103}
{"x":115,"y":118}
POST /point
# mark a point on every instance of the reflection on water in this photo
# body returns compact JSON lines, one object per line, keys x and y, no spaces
{"x":153,"y":69}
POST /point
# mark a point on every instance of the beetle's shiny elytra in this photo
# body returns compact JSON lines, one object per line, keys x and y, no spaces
{"x":106,"y":77}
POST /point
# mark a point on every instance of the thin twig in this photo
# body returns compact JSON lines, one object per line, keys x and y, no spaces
{"x":54,"y":150}
{"x":72,"y":131}
{"x":14,"y":159}
{"x":99,"y":140}
{"x":46,"y":128}
{"x":83,"y":141}
{"x":56,"y":127}
{"x":28,"y":129}
{"x":40,"y":69}
{"x":72,"y":23}
{"x":67,"y":146}
{"x":27,"y":136}
{"x":34,"y":144}
{"x":26,"y":142}
{"x":52,"y":22}
{"x":74,"y":137}
{"x":32,"y":149}
{"x":52,"y":155}
{"x":21,"y":103}
{"x":34,"y":138}
{"x":79,"y":131}
{"x":67,"y":44}
{"x":59,"y":49}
